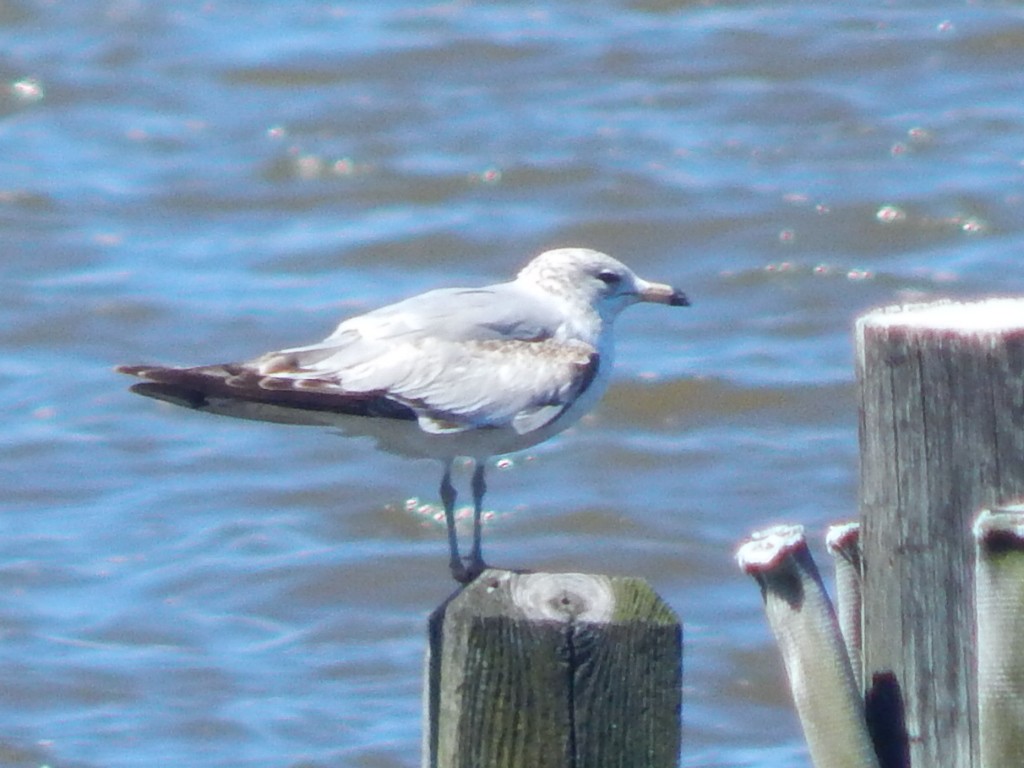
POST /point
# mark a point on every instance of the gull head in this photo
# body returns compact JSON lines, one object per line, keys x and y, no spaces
{"x":585,"y":276}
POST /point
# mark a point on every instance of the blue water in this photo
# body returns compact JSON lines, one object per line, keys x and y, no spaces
{"x":198,"y":182}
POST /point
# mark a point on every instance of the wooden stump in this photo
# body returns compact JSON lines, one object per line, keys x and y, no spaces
{"x":551,"y":671}
{"x":843,"y":543}
{"x":804,"y":623}
{"x":942,"y":435}
{"x":1000,"y":550}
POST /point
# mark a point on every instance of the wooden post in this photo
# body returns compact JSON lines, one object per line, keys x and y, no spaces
{"x":550,"y":671}
{"x":843,"y":543}
{"x":941,"y":401}
{"x":1000,"y":542}
{"x":801,"y":617}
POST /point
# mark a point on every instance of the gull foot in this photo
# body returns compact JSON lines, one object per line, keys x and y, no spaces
{"x":464,"y":573}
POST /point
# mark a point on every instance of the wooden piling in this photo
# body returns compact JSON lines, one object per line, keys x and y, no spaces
{"x":1000,"y":570}
{"x":802,"y":619}
{"x":550,"y":671}
{"x":941,"y":390}
{"x":843,"y":543}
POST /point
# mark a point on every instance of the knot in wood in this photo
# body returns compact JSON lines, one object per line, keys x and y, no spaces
{"x":565,"y":597}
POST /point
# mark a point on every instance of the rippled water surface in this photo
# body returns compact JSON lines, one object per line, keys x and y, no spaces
{"x":197,"y":182}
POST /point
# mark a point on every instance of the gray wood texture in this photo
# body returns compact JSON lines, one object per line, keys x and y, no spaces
{"x":552,"y":671}
{"x":941,"y":391}
{"x":1000,"y":552}
{"x":843,"y":542}
{"x":804,"y":624}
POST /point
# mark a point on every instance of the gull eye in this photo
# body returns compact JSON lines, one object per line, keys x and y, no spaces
{"x":609,"y":278}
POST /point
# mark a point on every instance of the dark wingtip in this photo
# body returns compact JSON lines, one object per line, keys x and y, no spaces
{"x":679,"y":299}
{"x":169,"y":393}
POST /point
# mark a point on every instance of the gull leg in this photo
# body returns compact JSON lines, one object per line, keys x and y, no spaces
{"x":448,"y":495}
{"x":476,"y":559}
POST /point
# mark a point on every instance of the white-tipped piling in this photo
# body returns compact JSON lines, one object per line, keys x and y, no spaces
{"x":843,"y":543}
{"x":801,"y":617}
{"x":999,"y":534}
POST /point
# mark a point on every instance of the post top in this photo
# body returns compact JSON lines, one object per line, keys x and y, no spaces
{"x":841,"y":535}
{"x":565,"y":598}
{"x":1000,"y":523}
{"x":993,"y":315}
{"x":766,"y":549}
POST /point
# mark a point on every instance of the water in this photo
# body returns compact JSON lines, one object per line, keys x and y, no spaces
{"x":194,"y":182}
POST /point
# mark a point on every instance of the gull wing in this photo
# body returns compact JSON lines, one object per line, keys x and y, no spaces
{"x":447,"y":387}
{"x":452,"y":359}
{"x":497,"y":312}
{"x":234,"y":389}
{"x":456,"y":386}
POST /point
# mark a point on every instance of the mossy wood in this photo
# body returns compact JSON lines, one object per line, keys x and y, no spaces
{"x":553,"y":671}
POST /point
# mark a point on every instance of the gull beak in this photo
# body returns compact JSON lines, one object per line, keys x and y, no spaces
{"x":659,"y":293}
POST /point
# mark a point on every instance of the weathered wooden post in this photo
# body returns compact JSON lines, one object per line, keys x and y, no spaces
{"x":550,"y":670}
{"x":843,"y":542}
{"x":999,"y":535}
{"x":801,"y":617}
{"x":941,"y":391}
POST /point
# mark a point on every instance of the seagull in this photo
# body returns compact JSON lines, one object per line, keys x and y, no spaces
{"x":454,"y":372}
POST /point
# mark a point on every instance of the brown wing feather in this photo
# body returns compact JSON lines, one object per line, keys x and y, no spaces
{"x":193,"y":388}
